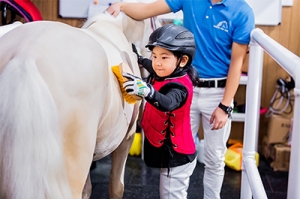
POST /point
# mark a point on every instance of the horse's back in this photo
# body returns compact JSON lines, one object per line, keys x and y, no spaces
{"x":49,"y":40}
{"x":70,"y":62}
{"x":64,"y":55}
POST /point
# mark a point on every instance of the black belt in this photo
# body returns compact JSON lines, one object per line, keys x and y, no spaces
{"x":212,"y":83}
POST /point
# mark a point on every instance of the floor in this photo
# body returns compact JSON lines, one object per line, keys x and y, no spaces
{"x":141,"y":182}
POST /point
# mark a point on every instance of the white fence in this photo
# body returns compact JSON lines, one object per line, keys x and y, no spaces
{"x":251,"y":181}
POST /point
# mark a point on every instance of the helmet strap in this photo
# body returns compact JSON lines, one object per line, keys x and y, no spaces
{"x":179,"y":61}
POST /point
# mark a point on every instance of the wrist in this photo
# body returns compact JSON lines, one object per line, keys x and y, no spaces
{"x":150,"y":94}
{"x":226,"y":103}
{"x":121,"y":6}
{"x":140,"y":59}
{"x":226,"y":109}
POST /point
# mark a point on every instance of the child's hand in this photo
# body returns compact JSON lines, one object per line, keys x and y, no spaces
{"x":136,"y":86}
{"x":138,"y":56}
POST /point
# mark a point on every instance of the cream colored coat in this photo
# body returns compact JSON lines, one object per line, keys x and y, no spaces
{"x":61,"y":106}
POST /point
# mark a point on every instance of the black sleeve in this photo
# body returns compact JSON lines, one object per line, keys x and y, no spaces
{"x":170,"y":97}
{"x":147,"y":64}
{"x":144,"y":62}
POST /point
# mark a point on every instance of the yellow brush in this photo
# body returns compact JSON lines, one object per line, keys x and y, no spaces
{"x":117,"y":70}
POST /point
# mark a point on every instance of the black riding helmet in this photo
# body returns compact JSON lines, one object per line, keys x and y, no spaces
{"x":173,"y":38}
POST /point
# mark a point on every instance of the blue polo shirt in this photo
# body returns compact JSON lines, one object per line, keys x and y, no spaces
{"x":215,"y":27}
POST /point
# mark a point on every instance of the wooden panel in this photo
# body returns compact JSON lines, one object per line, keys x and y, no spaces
{"x":294,"y":29}
{"x":288,"y":35}
{"x":49,"y":10}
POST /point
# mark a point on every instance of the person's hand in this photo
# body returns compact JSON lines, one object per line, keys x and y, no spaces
{"x":218,"y":119}
{"x":138,"y":56}
{"x":136,"y":86}
{"x":114,"y":9}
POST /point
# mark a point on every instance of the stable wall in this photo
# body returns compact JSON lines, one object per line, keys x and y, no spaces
{"x":287,"y":34}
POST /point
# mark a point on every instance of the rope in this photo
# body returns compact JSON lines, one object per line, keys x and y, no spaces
{"x":153,"y":24}
{"x":282,"y":100}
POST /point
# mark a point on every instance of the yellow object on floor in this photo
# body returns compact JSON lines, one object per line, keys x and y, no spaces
{"x":136,"y":147}
{"x":233,"y":156}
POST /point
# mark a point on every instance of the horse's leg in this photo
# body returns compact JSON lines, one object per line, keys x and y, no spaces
{"x":87,"y":191}
{"x":79,"y":149}
{"x":119,"y":157}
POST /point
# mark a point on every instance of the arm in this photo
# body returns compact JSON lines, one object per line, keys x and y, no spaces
{"x":170,"y":97}
{"x":147,"y":64}
{"x":143,"y":62}
{"x":219,"y":117}
{"x":139,"y":11}
{"x":234,"y":74}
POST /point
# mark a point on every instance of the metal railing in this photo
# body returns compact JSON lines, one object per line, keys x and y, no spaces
{"x":251,"y":181}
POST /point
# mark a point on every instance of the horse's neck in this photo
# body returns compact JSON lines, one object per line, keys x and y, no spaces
{"x":107,"y":31}
{"x":112,"y":38}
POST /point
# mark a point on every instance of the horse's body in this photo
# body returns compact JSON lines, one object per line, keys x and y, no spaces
{"x":61,"y":106}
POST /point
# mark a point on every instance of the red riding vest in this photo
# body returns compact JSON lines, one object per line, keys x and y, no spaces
{"x":155,"y":123}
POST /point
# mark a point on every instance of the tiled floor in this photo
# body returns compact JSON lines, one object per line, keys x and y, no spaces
{"x":141,"y":182}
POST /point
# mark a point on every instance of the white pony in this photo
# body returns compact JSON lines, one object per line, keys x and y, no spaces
{"x":61,"y":106}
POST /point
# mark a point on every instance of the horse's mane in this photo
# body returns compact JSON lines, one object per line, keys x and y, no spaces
{"x":131,"y":28}
{"x":103,"y":17}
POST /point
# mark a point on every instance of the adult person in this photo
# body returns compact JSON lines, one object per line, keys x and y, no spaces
{"x":222,"y":34}
{"x":168,"y":142}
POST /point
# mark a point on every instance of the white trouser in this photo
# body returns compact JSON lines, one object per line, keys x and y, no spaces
{"x":175,"y":185}
{"x":205,"y":101}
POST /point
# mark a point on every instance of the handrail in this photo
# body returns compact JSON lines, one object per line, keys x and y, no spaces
{"x":251,"y":181}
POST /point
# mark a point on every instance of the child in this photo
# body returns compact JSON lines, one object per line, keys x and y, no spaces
{"x":168,"y":143}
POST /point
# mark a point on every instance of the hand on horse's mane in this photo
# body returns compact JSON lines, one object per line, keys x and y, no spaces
{"x":139,"y":57}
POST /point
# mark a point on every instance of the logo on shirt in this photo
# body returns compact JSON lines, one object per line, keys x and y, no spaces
{"x":222,"y":25}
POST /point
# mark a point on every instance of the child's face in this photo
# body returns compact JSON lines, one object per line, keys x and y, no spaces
{"x":164,"y":61}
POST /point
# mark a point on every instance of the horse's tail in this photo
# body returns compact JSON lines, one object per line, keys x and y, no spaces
{"x":31,"y":152}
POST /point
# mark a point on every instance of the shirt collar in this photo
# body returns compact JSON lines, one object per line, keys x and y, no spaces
{"x":224,"y":2}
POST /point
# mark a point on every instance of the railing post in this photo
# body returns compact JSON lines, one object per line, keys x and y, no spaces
{"x":290,"y":63}
{"x":253,"y":94}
